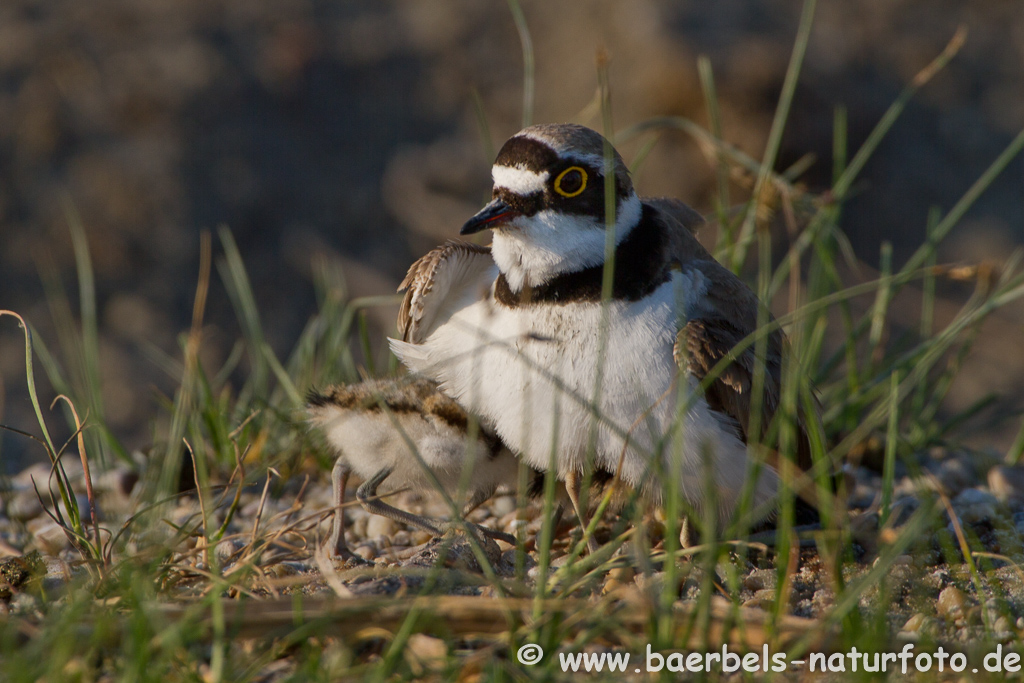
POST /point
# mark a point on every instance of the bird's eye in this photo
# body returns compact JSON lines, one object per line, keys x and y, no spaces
{"x":571,"y":182}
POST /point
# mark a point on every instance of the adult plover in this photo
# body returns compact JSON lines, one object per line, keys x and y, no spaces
{"x":374,"y":426}
{"x":517,"y":332}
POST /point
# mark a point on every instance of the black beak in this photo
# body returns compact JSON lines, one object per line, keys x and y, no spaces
{"x":496,"y":211}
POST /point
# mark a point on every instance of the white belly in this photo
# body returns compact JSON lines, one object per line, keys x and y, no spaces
{"x":533,"y":372}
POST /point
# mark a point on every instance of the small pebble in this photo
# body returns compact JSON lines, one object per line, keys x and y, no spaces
{"x":622,"y":574}
{"x":951,"y":602}
{"x":424,"y":653}
{"x":358,"y":523}
{"x":759,"y":579}
{"x":280,"y":570}
{"x":1006,"y":483}
{"x":975,"y":505}
{"x":509,"y":522}
{"x":378,"y":526}
{"x":58,"y":573}
{"x":47,"y":535}
{"x":902,"y":510}
{"x":367,"y":552}
{"x":40,"y":473}
{"x":120,"y":480}
{"x":765,"y":597}
{"x":503,"y":505}
{"x":227,"y":549}
{"x":915,"y":623}
{"x":1003,"y":623}
{"x":862,"y":497}
{"x":955,"y":476}
{"x":24,"y":506}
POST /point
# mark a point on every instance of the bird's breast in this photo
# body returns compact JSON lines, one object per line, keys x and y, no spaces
{"x":537,"y":372}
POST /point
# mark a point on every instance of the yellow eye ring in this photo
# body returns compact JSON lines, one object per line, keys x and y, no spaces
{"x":583,"y":181}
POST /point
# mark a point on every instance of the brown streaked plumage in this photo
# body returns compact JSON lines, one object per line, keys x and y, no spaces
{"x":437,"y":282}
{"x":374,"y":425}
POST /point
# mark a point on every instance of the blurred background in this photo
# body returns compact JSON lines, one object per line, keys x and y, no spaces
{"x":351,"y":129}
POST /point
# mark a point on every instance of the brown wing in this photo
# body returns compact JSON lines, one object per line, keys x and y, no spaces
{"x":438,"y":280}
{"x":726,"y":315}
{"x":703,"y":343}
{"x":677,"y":211}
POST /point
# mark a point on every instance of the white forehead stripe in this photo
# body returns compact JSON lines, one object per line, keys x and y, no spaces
{"x":520,"y":181}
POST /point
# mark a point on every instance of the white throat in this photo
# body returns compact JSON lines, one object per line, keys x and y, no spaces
{"x":536,"y":248}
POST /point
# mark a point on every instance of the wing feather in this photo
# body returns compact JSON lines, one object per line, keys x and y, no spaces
{"x":677,"y":211}
{"x":436,"y":281}
{"x":701,"y":344}
{"x":727,"y":315}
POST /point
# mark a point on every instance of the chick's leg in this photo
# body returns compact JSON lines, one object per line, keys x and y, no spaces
{"x":339,"y":479}
{"x":573,"y":486}
{"x":367,"y":495}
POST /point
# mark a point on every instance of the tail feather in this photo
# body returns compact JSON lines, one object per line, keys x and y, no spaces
{"x":413,"y":356}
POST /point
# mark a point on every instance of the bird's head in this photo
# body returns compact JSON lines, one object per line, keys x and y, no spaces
{"x":548,"y":210}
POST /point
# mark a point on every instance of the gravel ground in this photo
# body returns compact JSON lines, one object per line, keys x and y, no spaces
{"x":929,"y":591}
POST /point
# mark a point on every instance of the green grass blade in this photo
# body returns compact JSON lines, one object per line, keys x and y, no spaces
{"x":526,"y":42}
{"x":771,"y":152}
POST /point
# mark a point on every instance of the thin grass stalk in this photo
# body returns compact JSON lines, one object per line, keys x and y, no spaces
{"x":722,"y":200}
{"x":642,"y":154}
{"x":547,"y":528}
{"x":840,"y":148}
{"x":758,"y":196}
{"x":607,"y":275}
{"x":51,"y":367}
{"x":889,"y":465}
{"x":284,"y":380}
{"x":526,"y":43}
{"x":942,"y":229}
{"x":523,"y":475}
{"x":1016,"y":452}
{"x":183,"y":401}
{"x":31,"y":380}
{"x":795,"y":393}
{"x":200,"y":478}
{"x":68,"y":333}
{"x":364,"y":343}
{"x":965,"y":549}
{"x":756,"y":427}
{"x":942,"y":385}
{"x":883,"y":297}
{"x":927,"y":321}
{"x":842,"y":185}
{"x":932,"y":351}
{"x":236,"y":280}
{"x":486,"y":141}
{"x":90,"y":350}
{"x":860,"y":159}
{"x":87,"y":476}
{"x":673,"y":513}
